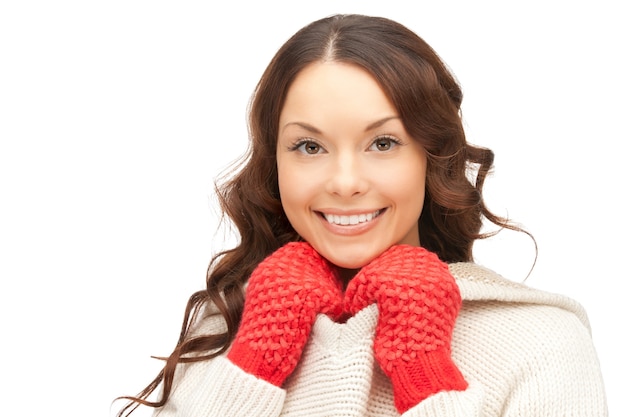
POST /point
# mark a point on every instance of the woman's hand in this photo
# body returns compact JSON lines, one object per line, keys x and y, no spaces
{"x":418,"y":302}
{"x":285,"y":294}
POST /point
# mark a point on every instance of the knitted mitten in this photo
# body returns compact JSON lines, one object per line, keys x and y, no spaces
{"x":418,"y":302}
{"x":285,"y":293}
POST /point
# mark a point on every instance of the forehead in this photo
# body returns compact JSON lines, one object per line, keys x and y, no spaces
{"x":339,"y":89}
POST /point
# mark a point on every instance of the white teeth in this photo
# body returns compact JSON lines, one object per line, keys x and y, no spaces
{"x":352,"y":219}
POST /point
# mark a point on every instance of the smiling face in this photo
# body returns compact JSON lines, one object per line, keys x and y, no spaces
{"x":351,"y":180}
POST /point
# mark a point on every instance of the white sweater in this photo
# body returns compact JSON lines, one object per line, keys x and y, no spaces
{"x":523,"y":352}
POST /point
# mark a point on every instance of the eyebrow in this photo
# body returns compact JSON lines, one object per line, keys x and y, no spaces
{"x":315,"y":130}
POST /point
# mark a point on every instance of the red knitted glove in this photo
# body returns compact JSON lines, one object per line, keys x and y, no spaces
{"x":418,"y":302}
{"x":285,"y":293}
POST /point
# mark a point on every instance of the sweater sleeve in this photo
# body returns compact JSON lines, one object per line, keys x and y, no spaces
{"x":522,"y":360}
{"x":560,"y":373}
{"x":220,"y":389}
{"x":467,"y":403}
{"x":217,"y":387}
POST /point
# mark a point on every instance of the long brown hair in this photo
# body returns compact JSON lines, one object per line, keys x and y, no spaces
{"x":428,"y":100}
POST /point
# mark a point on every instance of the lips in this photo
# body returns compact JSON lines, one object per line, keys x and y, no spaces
{"x":351,"y":219}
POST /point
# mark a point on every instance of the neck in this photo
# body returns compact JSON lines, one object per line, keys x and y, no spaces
{"x":345,"y":275}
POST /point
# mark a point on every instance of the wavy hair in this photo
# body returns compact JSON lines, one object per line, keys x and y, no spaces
{"x":428,"y":100}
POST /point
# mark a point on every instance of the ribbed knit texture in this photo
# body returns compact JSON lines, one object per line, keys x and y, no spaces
{"x":523,"y":352}
{"x":419,"y":301}
{"x":285,"y":294}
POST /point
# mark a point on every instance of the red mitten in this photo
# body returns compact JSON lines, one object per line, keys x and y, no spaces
{"x":418,"y":302}
{"x":285,"y":293}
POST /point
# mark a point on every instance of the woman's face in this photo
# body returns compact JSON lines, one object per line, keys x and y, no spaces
{"x":351,"y":179}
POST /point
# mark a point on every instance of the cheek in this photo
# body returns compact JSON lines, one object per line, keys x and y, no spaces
{"x":292,"y":189}
{"x":411,"y":196}
{"x":284,"y":185}
{"x":409,"y":192}
{"x":406,"y":181}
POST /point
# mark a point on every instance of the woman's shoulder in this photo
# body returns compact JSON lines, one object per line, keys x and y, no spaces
{"x":523,"y":343}
{"x":480,"y":285}
{"x":207,"y":320}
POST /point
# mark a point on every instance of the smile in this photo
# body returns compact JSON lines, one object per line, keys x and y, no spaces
{"x":349,"y":220}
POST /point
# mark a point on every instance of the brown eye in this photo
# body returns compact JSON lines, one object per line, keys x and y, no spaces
{"x":308,"y":147}
{"x":311,"y":148}
{"x":383,"y":144}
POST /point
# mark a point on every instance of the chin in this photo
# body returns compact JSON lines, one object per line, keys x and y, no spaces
{"x":348,"y":256}
{"x":352,"y":262}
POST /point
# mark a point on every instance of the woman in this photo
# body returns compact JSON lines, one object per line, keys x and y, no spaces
{"x":352,"y":290}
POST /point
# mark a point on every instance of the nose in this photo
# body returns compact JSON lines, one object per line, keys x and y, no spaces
{"x":347,"y":177}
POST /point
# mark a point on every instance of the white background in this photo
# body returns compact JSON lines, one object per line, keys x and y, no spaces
{"x":116,"y":117}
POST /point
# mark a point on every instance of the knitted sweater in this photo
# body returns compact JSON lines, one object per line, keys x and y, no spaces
{"x":523,"y":352}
